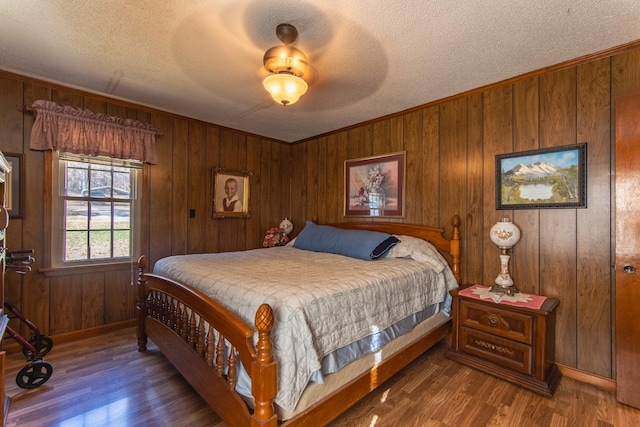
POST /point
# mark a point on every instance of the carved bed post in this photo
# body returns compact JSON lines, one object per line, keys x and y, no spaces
{"x":264,"y":371}
{"x":455,"y":247}
{"x":141,"y":303}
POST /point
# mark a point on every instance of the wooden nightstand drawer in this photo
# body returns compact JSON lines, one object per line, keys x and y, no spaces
{"x":507,"y":353}
{"x":497,"y":321}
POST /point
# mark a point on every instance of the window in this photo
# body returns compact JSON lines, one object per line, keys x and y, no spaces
{"x":94,"y":207}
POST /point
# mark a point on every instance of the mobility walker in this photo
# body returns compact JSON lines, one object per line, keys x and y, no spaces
{"x":37,"y":372}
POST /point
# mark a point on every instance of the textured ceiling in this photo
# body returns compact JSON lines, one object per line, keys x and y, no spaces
{"x":203,"y":58}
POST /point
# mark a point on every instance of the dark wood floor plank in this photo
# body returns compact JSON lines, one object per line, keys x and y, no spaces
{"x":104,"y":381}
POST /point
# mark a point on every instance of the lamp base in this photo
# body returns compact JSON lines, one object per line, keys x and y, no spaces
{"x":501,"y":289}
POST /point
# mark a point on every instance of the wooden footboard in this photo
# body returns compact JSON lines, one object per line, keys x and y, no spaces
{"x":191,"y":329}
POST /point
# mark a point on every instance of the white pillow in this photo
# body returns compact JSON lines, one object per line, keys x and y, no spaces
{"x":419,"y":250}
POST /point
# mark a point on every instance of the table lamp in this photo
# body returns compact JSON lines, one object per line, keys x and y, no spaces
{"x":504,"y":234}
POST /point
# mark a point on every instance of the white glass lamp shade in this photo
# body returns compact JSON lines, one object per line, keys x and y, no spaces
{"x":285,"y":89}
{"x":504,"y":234}
{"x":286,"y":225}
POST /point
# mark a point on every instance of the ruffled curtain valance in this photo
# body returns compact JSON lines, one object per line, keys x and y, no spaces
{"x":79,"y":131}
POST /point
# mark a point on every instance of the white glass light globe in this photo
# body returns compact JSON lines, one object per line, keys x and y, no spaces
{"x":285,"y":89}
{"x":504,"y":234}
{"x":286,"y":225}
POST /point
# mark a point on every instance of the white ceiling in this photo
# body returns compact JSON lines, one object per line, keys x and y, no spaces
{"x":369,"y":58}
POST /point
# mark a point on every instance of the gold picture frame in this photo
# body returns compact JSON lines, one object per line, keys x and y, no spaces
{"x":14,"y":186}
{"x":374,"y":186}
{"x":231,"y":193}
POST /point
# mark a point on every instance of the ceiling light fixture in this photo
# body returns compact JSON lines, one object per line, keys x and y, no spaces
{"x":287,"y":65}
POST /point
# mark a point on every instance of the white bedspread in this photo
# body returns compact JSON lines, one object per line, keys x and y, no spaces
{"x":321,"y":301}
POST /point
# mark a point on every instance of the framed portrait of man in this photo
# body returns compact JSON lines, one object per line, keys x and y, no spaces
{"x":231,"y":191}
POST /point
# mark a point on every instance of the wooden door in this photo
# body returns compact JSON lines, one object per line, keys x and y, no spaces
{"x":4,"y":222}
{"x":627,"y":263}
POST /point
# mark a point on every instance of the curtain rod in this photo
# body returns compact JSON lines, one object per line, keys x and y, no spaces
{"x":30,"y":109}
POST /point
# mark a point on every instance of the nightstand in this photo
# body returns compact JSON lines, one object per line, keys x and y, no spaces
{"x":511,"y":342}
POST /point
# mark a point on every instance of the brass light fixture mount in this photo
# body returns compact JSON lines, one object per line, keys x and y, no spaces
{"x":287,"y":65}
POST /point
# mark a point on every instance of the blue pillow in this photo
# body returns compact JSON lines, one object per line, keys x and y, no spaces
{"x":361,"y":244}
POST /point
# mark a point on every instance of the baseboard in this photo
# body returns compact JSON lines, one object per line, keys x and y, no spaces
{"x":10,"y":345}
{"x":585,"y":377}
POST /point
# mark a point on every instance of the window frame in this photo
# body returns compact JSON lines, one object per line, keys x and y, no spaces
{"x":56,"y":217}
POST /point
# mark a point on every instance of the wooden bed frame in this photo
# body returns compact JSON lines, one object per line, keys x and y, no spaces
{"x":183,"y":321}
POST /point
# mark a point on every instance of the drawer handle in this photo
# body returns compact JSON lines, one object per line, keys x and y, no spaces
{"x":493,"y":320}
{"x":494,"y":347}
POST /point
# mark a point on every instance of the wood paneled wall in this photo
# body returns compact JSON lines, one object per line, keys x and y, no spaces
{"x":451,"y":148}
{"x":188,"y":150}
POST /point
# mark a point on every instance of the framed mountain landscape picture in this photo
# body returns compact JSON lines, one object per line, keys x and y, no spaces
{"x":552,"y":177}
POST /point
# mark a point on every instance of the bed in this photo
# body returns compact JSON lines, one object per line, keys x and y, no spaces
{"x":248,"y":352}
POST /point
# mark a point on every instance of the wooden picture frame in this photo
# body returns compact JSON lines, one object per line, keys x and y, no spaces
{"x":553,"y":177}
{"x":238,"y":184}
{"x":14,"y":186}
{"x":374,"y":186}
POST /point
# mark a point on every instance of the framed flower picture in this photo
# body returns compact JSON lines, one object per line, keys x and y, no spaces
{"x":374,"y":186}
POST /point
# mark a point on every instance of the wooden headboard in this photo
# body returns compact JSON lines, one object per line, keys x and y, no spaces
{"x":432,"y":234}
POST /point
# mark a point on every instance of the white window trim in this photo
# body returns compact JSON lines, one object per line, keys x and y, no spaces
{"x":57,"y":219}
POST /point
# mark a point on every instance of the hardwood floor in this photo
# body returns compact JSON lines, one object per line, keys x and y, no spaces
{"x":104,"y":381}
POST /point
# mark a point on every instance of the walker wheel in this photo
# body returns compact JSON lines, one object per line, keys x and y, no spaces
{"x":46,"y":343}
{"x":34,"y":374}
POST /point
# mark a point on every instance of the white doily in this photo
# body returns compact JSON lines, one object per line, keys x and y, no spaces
{"x":485,"y":293}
